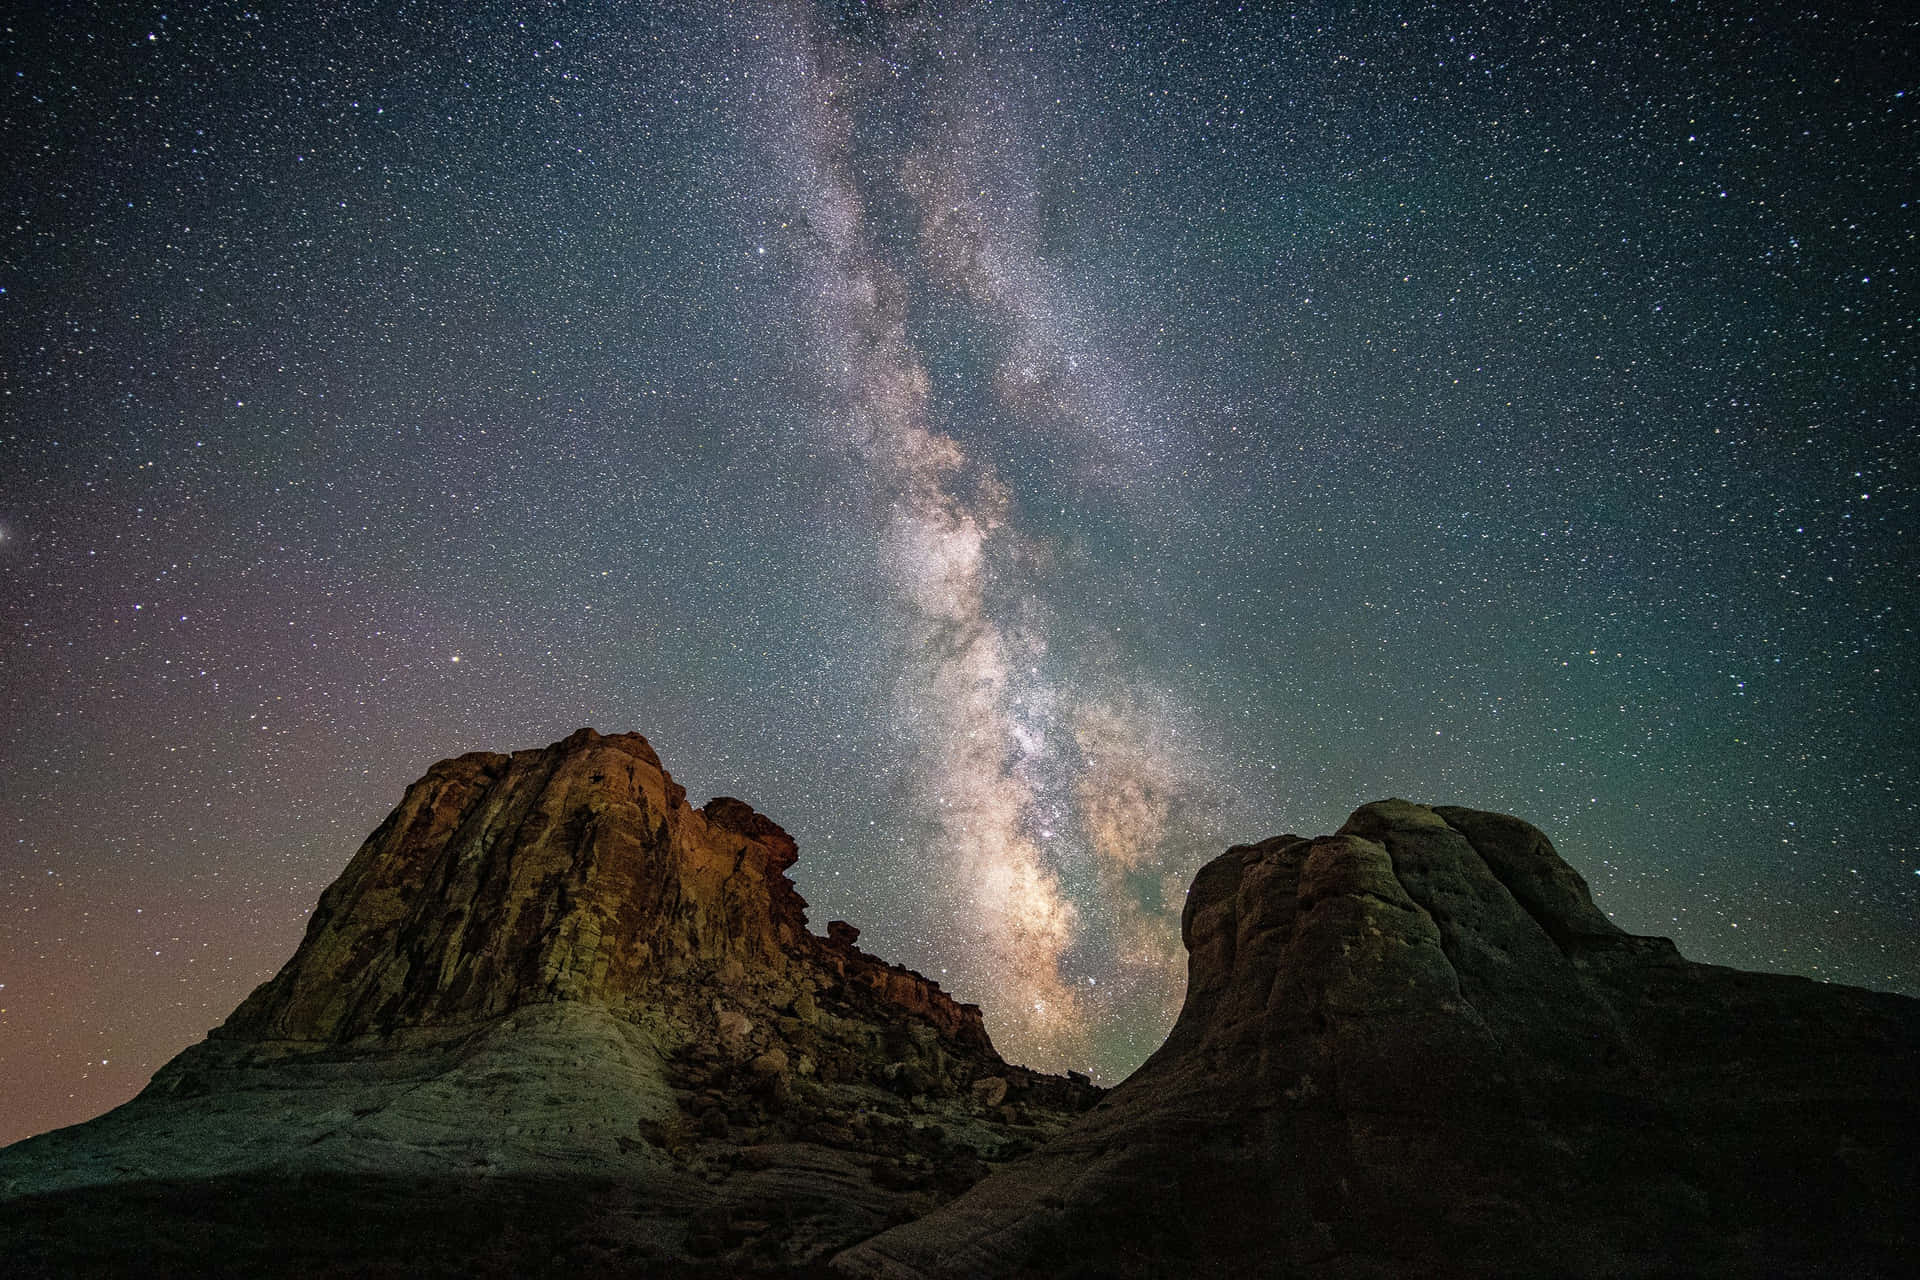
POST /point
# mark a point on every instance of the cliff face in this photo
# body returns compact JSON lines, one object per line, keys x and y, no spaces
{"x":576,"y":872}
{"x":546,"y":980}
{"x":1416,"y":1047}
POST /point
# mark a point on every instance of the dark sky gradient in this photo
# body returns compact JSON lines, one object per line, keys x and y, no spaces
{"x":1021,"y":448}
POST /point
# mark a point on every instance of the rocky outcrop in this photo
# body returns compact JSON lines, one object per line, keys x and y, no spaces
{"x":578,"y":872}
{"x":552,"y":1019}
{"x":1416,"y":1047}
{"x":545,"y":980}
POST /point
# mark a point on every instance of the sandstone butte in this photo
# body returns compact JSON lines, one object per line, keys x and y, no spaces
{"x":552,"y":1019}
{"x":548,"y":1012}
{"x":1417,"y":1048}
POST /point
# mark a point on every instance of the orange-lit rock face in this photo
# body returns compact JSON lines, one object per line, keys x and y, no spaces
{"x":575,"y":872}
{"x":547,"y":973}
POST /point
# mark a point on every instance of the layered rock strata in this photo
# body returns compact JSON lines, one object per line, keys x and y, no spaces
{"x":546,"y":980}
{"x":1416,"y":1047}
{"x":577,"y":873}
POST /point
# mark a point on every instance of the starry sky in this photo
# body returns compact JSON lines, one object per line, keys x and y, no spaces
{"x":1021,"y":448}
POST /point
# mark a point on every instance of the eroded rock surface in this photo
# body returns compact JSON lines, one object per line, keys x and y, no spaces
{"x":546,"y":980}
{"x":552,"y":1019}
{"x":1416,"y":1047}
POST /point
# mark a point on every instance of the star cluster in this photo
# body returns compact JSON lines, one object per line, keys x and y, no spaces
{"x":1023,"y":449}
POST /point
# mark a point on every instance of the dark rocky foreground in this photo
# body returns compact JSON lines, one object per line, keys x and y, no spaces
{"x":1416,"y":1048}
{"x":553,"y":1020}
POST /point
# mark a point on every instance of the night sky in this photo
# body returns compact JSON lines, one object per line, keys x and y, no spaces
{"x":1021,"y":448}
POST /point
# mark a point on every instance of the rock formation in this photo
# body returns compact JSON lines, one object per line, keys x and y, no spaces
{"x":1417,"y":1048}
{"x":552,"y":1019}
{"x":549,"y":1015}
{"x":577,"y":873}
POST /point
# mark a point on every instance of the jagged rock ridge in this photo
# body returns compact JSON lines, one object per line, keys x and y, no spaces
{"x":546,"y":980}
{"x":574,"y":873}
{"x":1417,"y":1048}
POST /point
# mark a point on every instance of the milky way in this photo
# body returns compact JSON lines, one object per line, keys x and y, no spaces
{"x":1007,"y":807}
{"x":1022,"y":449}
